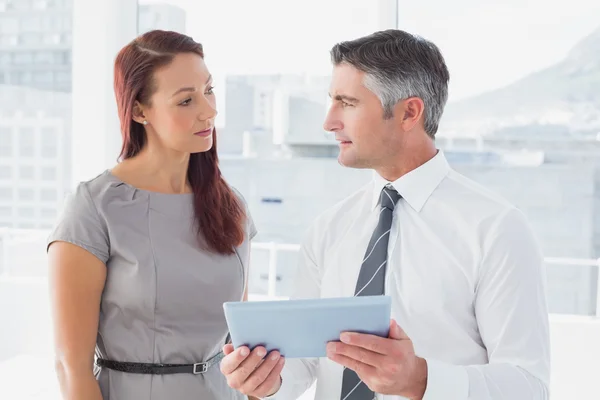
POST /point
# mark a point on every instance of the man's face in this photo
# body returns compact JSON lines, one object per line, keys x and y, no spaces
{"x":356,"y":117}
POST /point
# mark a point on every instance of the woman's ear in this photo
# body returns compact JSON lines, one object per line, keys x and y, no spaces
{"x":138,"y":113}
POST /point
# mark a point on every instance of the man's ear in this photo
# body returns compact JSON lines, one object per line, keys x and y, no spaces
{"x":409,"y":112}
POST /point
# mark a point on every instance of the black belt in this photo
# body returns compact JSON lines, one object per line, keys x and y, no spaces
{"x":160,"y":369}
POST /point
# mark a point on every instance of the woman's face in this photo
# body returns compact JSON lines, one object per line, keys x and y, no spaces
{"x":181,"y":113}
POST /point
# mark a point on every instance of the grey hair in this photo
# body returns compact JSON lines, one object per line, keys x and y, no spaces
{"x":397,"y":66}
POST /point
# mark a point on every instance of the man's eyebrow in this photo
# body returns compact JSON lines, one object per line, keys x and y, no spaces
{"x":346,"y":98}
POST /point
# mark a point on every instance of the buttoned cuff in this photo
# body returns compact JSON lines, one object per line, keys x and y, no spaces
{"x":446,"y":381}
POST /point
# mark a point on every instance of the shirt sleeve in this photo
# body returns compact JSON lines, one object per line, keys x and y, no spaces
{"x":512,"y":316}
{"x":80,"y":224}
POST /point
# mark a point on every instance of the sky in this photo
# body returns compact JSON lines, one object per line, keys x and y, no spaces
{"x":487,"y":44}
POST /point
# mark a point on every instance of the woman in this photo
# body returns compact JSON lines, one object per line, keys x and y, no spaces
{"x":144,"y":255}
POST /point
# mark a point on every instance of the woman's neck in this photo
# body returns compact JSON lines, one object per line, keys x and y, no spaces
{"x":161,"y":171}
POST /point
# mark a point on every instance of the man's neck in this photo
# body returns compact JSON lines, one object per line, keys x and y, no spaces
{"x":410,"y":159}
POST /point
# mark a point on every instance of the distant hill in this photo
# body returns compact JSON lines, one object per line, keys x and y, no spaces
{"x":562,"y":100}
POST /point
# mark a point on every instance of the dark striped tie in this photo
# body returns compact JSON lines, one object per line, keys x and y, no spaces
{"x":371,"y":282}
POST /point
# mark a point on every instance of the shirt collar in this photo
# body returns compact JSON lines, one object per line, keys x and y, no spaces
{"x":417,"y":185}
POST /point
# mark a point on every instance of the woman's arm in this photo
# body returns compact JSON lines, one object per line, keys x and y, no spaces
{"x":76,"y":280}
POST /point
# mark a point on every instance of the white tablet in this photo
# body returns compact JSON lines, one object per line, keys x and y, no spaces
{"x":302,"y":328}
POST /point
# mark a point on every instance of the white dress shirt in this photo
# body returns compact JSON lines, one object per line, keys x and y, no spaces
{"x":467,"y":282}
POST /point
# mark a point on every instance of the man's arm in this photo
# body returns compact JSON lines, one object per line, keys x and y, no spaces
{"x":511,"y":310}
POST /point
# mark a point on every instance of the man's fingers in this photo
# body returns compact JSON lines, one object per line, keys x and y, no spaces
{"x":356,"y":353}
{"x":360,"y":368}
{"x":233,"y":360}
{"x":370,"y":342}
{"x":396,"y":332}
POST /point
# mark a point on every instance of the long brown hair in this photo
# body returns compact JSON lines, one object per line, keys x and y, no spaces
{"x":218,"y":211}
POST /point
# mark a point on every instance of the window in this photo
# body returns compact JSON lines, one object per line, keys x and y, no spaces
{"x":42,"y":77}
{"x":23,"y":57}
{"x":5,"y":172}
{"x":40,"y":4}
{"x":26,"y":142}
{"x":48,"y":173}
{"x":23,"y":5}
{"x":60,"y":57}
{"x":57,"y":23}
{"x":44,"y":57}
{"x":33,"y":59}
{"x":49,"y":143}
{"x":66,"y":38}
{"x":9,"y":39}
{"x":63,"y":77}
{"x":67,"y":24}
{"x":48,"y":23}
{"x":5,"y":58}
{"x":13,"y":78}
{"x":25,"y":77}
{"x":49,"y":136}
{"x":8,"y":24}
{"x":30,"y":38}
{"x":48,"y":213}
{"x":26,"y":172}
{"x":27,"y":212}
{"x":31,"y":23}
{"x":6,"y":193}
{"x":6,"y":142}
{"x":26,"y":194}
{"x":49,"y":151}
{"x":48,"y":195}
{"x":52,"y":39}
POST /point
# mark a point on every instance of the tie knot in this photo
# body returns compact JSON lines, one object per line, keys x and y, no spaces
{"x":389,"y":197}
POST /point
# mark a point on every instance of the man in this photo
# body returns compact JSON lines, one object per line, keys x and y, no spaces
{"x":462,"y":266}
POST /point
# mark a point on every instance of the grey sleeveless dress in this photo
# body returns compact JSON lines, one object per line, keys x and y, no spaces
{"x":164,"y":295}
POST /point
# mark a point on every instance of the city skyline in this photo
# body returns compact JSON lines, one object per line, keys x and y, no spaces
{"x":504,"y":31}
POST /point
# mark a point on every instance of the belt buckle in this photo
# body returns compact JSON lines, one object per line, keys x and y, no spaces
{"x":203,"y":368}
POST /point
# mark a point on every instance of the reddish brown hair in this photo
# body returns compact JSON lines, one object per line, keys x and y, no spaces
{"x":219,"y":213}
